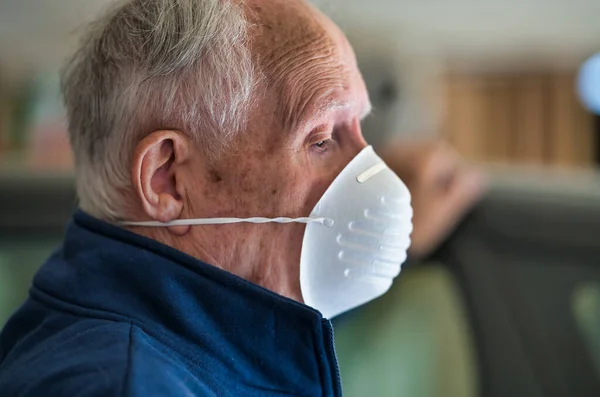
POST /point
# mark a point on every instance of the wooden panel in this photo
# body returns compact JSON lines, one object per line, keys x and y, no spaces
{"x":465,"y":118}
{"x":572,"y":135}
{"x":499,"y":117}
{"x":529,"y":119}
{"x":584,"y":135}
{"x":533,"y":119}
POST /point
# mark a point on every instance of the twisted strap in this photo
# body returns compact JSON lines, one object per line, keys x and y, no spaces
{"x":223,"y":221}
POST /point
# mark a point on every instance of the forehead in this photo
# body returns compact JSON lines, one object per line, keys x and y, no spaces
{"x":306,"y":60}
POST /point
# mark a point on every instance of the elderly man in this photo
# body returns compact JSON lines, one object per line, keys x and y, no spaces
{"x":228,"y":203}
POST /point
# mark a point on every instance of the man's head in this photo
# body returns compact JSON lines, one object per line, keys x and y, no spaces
{"x":214,"y":108}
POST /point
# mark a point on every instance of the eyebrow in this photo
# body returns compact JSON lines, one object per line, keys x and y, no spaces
{"x":335,"y":105}
{"x":367,"y":110}
{"x":296,"y":116}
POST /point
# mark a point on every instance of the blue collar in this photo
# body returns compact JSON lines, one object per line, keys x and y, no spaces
{"x":198,"y":310}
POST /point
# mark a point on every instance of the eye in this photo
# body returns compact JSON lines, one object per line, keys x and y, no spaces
{"x":321,"y":139}
{"x":323,"y":145}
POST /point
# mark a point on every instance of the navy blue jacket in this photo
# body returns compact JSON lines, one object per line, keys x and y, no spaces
{"x":112,"y":313}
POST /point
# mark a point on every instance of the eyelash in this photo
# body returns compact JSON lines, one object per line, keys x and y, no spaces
{"x":323,"y":139}
{"x":323,"y":145}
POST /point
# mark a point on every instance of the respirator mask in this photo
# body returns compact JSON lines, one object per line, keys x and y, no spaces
{"x":356,"y":237}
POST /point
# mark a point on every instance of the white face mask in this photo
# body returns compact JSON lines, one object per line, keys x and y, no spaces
{"x":356,"y":237}
{"x":356,"y":259}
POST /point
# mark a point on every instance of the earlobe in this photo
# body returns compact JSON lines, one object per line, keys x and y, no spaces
{"x":154,"y":174}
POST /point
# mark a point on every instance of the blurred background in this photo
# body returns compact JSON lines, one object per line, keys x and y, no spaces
{"x":510,"y":304}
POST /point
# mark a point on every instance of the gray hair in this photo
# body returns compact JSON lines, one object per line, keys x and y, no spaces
{"x":147,"y":65}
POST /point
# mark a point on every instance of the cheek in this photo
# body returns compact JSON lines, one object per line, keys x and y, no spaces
{"x":324,"y":173}
{"x":267,"y":187}
{"x":318,"y":187}
{"x":285,"y":191}
{"x":311,"y":184}
{"x":271,"y":185}
{"x":288,"y":187}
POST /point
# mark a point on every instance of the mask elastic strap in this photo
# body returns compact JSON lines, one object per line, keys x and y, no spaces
{"x":223,"y":221}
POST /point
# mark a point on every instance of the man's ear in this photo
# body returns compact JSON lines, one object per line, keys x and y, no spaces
{"x":156,"y":166}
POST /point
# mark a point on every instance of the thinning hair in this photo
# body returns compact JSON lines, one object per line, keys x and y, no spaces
{"x":148,"y":65}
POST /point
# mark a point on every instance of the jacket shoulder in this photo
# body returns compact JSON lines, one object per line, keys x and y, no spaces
{"x":94,"y":358}
{"x":88,"y":358}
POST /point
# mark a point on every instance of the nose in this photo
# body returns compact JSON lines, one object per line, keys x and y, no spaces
{"x":356,"y":140}
{"x":351,"y":142}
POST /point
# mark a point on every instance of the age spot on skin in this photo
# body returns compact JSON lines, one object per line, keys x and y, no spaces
{"x":215,"y":177}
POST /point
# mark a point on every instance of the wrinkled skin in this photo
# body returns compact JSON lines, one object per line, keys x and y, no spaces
{"x":304,"y":131}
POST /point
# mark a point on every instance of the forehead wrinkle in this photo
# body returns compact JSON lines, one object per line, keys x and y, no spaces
{"x":303,"y":59}
{"x":304,"y":78}
{"x":312,"y":99}
{"x":313,"y":79}
{"x":307,"y":47}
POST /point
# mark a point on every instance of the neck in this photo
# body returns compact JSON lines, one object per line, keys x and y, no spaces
{"x":264,"y":254}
